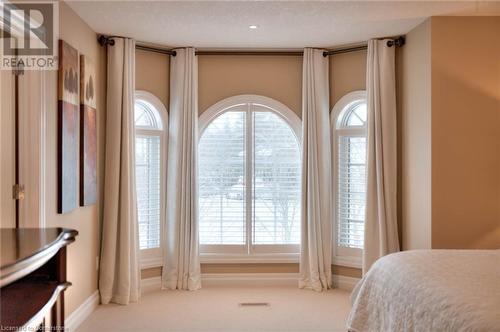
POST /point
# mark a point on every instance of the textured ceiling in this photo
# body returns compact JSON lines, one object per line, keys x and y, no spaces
{"x":282,"y":24}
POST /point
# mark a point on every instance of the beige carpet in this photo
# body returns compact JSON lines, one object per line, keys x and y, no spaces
{"x":215,"y":308}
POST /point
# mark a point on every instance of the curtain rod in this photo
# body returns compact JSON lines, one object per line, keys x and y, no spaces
{"x":250,"y":52}
{"x":108,"y":40}
{"x":156,"y":50}
{"x":398,"y":42}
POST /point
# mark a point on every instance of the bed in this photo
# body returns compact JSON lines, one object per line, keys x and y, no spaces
{"x":429,"y":290}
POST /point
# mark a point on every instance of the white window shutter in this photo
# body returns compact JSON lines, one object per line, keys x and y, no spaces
{"x":147,"y":168}
{"x":351,"y":191}
{"x":256,"y":194}
{"x":221,"y":181}
{"x":276,"y":181}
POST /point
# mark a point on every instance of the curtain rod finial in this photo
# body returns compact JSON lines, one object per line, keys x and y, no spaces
{"x":103,"y":40}
{"x":400,"y":41}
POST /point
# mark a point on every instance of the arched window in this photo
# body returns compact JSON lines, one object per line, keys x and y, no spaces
{"x":249,"y":177}
{"x":349,"y":154}
{"x":150,"y":118}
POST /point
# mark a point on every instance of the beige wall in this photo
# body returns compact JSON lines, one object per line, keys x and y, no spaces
{"x":466,"y":132}
{"x":451,"y":134}
{"x":277,"y":77}
{"x":152,"y":74}
{"x":347,"y":73}
{"x":81,"y":259}
{"x":415,"y":107}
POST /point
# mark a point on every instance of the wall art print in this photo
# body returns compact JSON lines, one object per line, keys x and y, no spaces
{"x":88,"y":133}
{"x":67,"y":127}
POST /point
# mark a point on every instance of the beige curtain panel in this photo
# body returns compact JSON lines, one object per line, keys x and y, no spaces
{"x":181,"y":268}
{"x":381,"y":229}
{"x":316,"y":245}
{"x":119,"y":277}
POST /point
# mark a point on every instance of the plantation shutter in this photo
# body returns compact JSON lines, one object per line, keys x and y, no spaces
{"x":222,"y":182}
{"x":147,"y":167}
{"x":351,"y":190}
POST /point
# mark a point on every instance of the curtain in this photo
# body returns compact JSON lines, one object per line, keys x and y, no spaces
{"x":315,"y":255}
{"x":381,"y":230}
{"x":181,"y":267}
{"x":119,"y":278}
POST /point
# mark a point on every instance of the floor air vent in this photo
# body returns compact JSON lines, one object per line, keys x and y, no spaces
{"x":254,"y":304}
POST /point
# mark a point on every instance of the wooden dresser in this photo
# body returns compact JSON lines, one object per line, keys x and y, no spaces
{"x":33,"y":278}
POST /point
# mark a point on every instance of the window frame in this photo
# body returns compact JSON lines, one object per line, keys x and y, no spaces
{"x":268,"y":253}
{"x":152,"y":257}
{"x":343,"y":256}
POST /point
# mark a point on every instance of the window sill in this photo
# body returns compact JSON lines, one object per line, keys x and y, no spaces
{"x":256,"y":258}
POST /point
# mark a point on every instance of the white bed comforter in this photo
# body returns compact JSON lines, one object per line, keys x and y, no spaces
{"x":429,"y":290}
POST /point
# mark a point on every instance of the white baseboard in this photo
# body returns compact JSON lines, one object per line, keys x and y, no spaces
{"x":73,"y":321}
{"x":343,"y":282}
{"x":150,"y":284}
{"x":232,"y":279}
{"x":252,"y":279}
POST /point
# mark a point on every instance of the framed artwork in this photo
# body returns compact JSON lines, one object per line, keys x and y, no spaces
{"x":67,"y":127}
{"x":88,"y":133}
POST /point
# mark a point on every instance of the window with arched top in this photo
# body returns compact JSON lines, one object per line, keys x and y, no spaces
{"x":249,"y":177}
{"x":353,"y":116}
{"x":146,"y":116}
{"x":348,"y":119}
{"x":150,"y":119}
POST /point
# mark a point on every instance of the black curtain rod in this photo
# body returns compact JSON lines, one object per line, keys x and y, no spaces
{"x":249,"y":52}
{"x":345,"y":50}
{"x":108,"y":40}
{"x":400,"y":41}
{"x":155,"y":50}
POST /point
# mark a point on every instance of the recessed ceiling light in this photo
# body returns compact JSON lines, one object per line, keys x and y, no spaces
{"x":253,"y":26}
